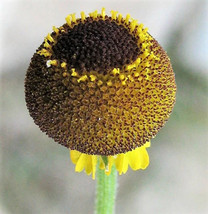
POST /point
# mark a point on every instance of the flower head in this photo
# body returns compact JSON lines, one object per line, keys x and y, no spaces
{"x":103,"y":87}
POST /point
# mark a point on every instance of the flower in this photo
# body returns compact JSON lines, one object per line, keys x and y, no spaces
{"x":101,"y":86}
{"x":136,"y":159}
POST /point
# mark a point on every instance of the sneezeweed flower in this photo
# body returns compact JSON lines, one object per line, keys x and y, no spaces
{"x":101,"y":86}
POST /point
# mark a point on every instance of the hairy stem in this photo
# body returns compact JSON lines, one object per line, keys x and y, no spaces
{"x":106,"y":191}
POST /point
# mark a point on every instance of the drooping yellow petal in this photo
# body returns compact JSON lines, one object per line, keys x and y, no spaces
{"x":121,"y":163}
{"x":84,"y":161}
{"x":136,"y":159}
{"x":80,"y":165}
{"x":74,"y":154}
{"x":139,"y":158}
{"x":125,"y":164}
{"x":88,"y":164}
{"x":94,"y":163}
{"x":144,"y":157}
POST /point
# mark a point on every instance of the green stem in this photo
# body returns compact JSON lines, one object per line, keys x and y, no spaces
{"x":106,"y":191}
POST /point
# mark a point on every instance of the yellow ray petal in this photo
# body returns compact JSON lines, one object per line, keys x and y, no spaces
{"x":138,"y":158}
{"x":125,"y":165}
{"x":94,"y":163}
{"x":74,"y":154}
{"x":144,"y":157}
{"x":88,"y":164}
{"x":80,"y":165}
{"x":134,"y":160}
{"x":121,"y":163}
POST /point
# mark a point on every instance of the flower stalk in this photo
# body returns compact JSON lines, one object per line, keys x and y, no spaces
{"x":105,"y":191}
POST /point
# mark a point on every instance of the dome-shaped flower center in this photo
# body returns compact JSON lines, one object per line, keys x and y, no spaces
{"x":96,"y":45}
{"x":100,"y":85}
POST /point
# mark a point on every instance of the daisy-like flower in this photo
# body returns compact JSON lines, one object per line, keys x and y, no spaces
{"x":101,"y":86}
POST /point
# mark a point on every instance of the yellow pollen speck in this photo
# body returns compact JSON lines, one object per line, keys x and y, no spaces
{"x":127,"y":18}
{"x":63,"y":64}
{"x":123,"y":82}
{"x":151,"y":56}
{"x":145,"y":54}
{"x":68,"y":20}
{"x":157,"y":58}
{"x":148,"y":78}
{"x":130,"y":78}
{"x":55,"y":30}
{"x":141,"y":26}
{"x":140,"y":78}
{"x":44,"y":52}
{"x":54,"y":62}
{"x":144,"y":45}
{"x":120,"y":17}
{"x":147,"y":64}
{"x":62,"y":29}
{"x":93,"y":77}
{"x":100,"y":82}
{"x":73,"y":17}
{"x":147,"y":70}
{"x":137,"y":62}
{"x":133,"y":25}
{"x":74,"y":73}
{"x":82,"y":78}
{"x":130,"y":66}
{"x":65,"y":74}
{"x":94,"y":14}
{"x":141,"y":37}
{"x":114,"y":14}
{"x":82,"y":16}
{"x":121,"y":77}
{"x":49,"y":38}
{"x":46,"y":44}
{"x":145,"y":30}
{"x":103,"y":13}
{"x":116,"y":71}
{"x":136,"y":74}
{"x":109,"y":83}
{"x":138,"y":31}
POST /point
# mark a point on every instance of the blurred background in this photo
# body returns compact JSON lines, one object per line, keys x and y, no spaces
{"x":37,"y":175}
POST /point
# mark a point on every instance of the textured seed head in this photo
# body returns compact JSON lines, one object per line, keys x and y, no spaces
{"x":100,"y":85}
